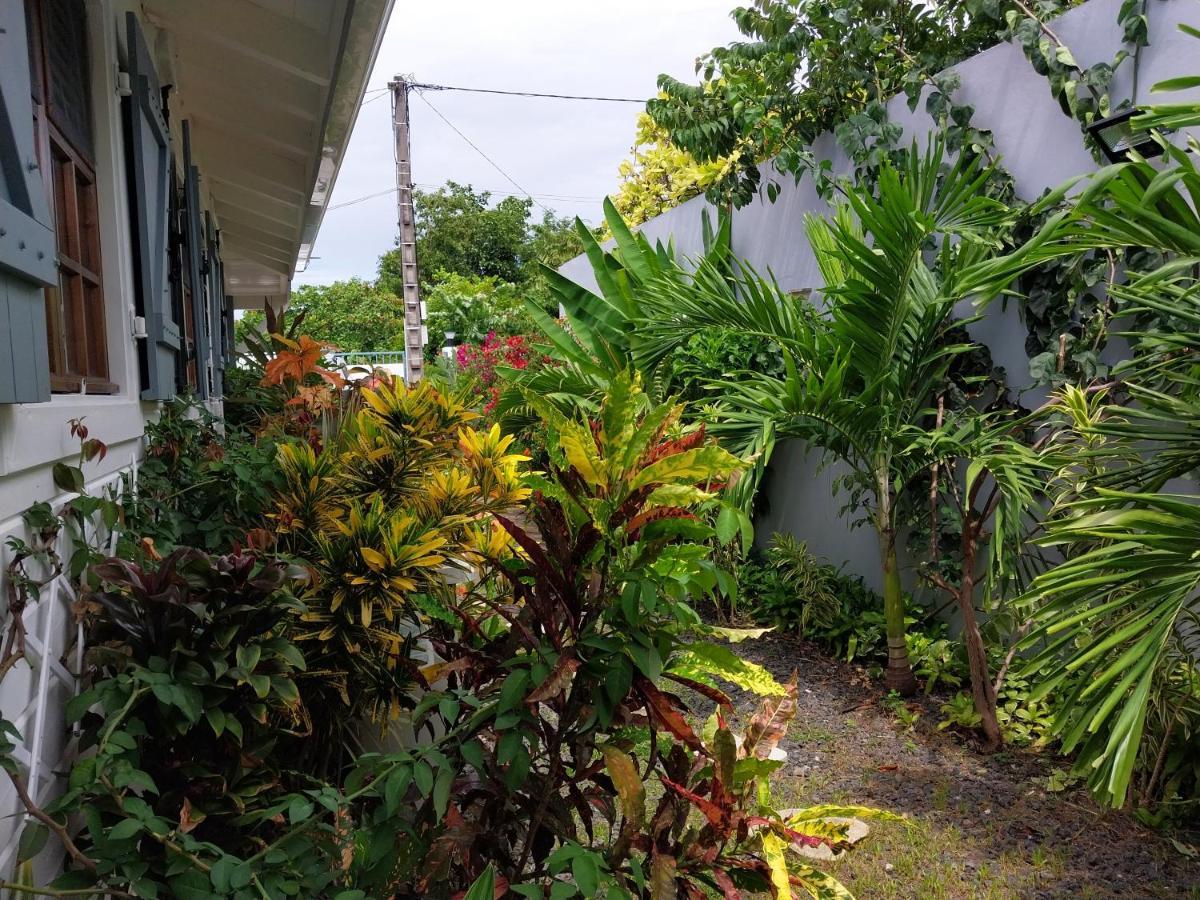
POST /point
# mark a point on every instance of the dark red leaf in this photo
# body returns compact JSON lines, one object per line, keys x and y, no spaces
{"x":714,"y":694}
{"x":717,"y":817}
{"x":663,"y":712}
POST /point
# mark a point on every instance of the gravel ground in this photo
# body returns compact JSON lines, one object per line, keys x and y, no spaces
{"x":984,"y":826}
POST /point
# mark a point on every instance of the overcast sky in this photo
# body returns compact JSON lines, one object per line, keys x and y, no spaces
{"x":549,"y":147}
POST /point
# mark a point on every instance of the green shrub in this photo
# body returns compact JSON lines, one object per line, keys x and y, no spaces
{"x":199,"y":486}
{"x":713,"y":355}
{"x":192,"y":699}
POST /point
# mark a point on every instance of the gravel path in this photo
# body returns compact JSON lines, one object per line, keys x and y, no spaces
{"x":987,"y":825}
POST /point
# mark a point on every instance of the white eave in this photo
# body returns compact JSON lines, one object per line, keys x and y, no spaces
{"x":272,"y":89}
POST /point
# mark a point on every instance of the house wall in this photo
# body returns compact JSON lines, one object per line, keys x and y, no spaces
{"x":35,"y":436}
{"x":1038,"y":144}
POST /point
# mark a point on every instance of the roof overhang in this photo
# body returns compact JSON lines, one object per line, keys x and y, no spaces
{"x":272,"y":89}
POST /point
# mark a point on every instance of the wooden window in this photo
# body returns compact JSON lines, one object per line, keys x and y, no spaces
{"x":62,"y":121}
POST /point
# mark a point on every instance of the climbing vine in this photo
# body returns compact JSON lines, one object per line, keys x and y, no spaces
{"x":811,"y":68}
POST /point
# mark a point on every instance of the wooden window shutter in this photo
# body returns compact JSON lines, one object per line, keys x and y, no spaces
{"x":195,"y":244}
{"x":28,"y":260}
{"x":149,"y":149}
{"x":215,"y":281}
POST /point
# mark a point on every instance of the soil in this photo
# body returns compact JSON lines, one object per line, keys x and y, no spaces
{"x":998,"y":829}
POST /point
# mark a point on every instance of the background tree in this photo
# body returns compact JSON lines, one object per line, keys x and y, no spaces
{"x":473,"y":308}
{"x":659,"y":175}
{"x":351,"y":315}
{"x":806,"y":67}
{"x":461,"y":232}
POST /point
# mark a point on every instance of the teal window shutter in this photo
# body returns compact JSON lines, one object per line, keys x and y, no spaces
{"x":149,"y":149}
{"x":28,"y":258}
{"x":195,"y":244}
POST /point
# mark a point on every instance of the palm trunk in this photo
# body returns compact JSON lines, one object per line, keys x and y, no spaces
{"x":899,"y":675}
{"x":981,"y":683}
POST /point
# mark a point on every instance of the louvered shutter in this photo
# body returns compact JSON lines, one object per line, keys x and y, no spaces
{"x":215,"y":281}
{"x":195,"y":245}
{"x":149,"y":149}
{"x":28,"y":259}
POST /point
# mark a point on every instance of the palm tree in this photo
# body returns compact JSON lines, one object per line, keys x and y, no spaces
{"x":863,"y":370}
{"x":597,"y":340}
{"x":1117,"y":620}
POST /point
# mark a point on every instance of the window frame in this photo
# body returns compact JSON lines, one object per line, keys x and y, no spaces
{"x":76,"y":323}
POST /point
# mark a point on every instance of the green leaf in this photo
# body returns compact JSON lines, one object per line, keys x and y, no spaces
{"x":585,"y":869}
{"x":423,"y":777}
{"x":68,"y":478}
{"x":1177,"y":84}
{"x":703,"y":660}
{"x":299,"y":810}
{"x":484,"y":887}
{"x":248,"y":657}
{"x":441,"y":792}
{"x":124,"y":829}
{"x":728,"y":524}
{"x":395,"y":787}
{"x":33,"y":839}
{"x":1063,"y":55}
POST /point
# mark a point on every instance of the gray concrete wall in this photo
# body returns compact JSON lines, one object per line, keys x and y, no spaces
{"x":1037,"y":143}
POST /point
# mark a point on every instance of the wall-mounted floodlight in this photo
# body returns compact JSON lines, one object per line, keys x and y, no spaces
{"x":1117,"y":137}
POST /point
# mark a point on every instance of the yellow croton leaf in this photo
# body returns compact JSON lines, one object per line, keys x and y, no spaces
{"x":773,"y":854}
{"x":711,"y":463}
{"x":374,"y":559}
{"x":684,"y":495}
{"x":579,"y":448}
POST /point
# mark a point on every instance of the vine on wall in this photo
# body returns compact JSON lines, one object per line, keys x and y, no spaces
{"x":818,"y":67}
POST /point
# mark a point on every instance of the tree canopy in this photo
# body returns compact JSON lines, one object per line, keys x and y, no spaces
{"x":461,"y":232}
{"x":658,"y":175}
{"x":351,"y":315}
{"x":807,"y":67}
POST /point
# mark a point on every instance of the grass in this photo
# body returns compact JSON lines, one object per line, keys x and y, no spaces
{"x":927,"y":859}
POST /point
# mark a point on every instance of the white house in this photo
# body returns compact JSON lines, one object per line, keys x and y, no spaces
{"x":162,"y":162}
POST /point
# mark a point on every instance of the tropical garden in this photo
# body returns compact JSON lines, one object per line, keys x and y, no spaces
{"x":510,"y":631}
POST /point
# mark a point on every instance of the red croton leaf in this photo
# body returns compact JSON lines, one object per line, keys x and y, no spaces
{"x":728,"y":889}
{"x":664,"y":714}
{"x":796,"y":837}
{"x":716,"y":695}
{"x":669,"y":448}
{"x":717,"y":816}
{"x":654,"y":515}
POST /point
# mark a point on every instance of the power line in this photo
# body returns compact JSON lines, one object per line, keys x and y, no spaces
{"x":565,"y":198}
{"x":447,"y":87}
{"x":495,"y":165}
{"x":362,"y":199}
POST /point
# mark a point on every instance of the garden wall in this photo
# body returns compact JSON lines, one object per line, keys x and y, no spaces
{"x":1039,"y":144}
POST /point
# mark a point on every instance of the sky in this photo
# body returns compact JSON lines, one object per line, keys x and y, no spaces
{"x":565,"y":149}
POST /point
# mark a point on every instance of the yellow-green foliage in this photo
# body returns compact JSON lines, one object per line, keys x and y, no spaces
{"x":404,"y":492}
{"x":659,"y":176}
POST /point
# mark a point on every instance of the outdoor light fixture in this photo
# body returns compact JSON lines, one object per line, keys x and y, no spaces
{"x":1117,"y":137}
{"x":448,"y":347}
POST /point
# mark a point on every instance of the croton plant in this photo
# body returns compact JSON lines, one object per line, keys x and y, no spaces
{"x":566,"y":727}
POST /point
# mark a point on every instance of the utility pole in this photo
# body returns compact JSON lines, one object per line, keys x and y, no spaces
{"x":414,"y":318}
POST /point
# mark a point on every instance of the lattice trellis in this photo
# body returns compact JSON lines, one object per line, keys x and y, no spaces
{"x":44,"y":685}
